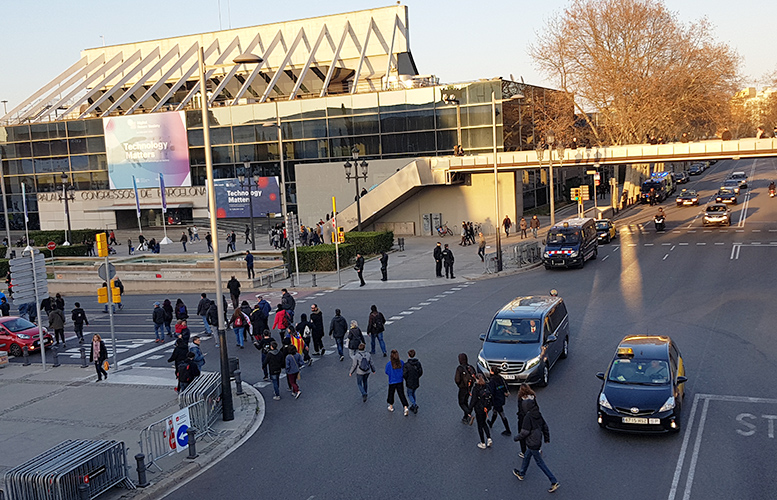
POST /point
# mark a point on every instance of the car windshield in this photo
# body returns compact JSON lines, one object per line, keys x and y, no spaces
{"x":647,"y":186}
{"x":17,"y":325}
{"x":514,"y":331}
{"x":561,"y":237}
{"x":602,"y":225}
{"x":715,"y":209}
{"x":688,"y":194}
{"x":738,"y":176}
{"x":730,"y":182}
{"x":726,"y":191}
{"x":639,"y":371}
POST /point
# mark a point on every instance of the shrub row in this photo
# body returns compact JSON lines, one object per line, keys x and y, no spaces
{"x":321,"y":257}
{"x":371,"y":243}
{"x":58,"y":237}
{"x":60,"y":251}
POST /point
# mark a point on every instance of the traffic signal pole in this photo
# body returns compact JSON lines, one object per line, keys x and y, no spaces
{"x":102,"y":251}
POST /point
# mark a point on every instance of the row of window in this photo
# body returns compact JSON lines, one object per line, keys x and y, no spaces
{"x":54,"y":130}
{"x":58,"y":147}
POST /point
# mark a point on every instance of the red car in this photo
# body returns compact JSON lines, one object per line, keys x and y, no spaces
{"x":17,"y":332}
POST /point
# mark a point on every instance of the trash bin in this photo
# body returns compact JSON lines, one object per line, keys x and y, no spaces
{"x":234,"y":364}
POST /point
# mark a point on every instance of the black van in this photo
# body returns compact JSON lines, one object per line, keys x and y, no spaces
{"x":570,"y":243}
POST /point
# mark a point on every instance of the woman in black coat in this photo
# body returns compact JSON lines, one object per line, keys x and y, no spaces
{"x":99,"y":356}
{"x":167,"y":306}
{"x":179,"y":353}
{"x":180,"y":310}
{"x":479,"y":405}
{"x":499,"y":392}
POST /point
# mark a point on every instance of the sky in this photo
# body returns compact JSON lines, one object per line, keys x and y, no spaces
{"x":455,"y":40}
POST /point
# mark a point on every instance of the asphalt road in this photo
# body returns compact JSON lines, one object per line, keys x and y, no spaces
{"x":708,"y":288}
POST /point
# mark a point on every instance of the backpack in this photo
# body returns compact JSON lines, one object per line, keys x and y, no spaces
{"x":364,"y":364}
{"x":488,"y":399}
{"x":468,"y":375}
{"x":239,"y":320}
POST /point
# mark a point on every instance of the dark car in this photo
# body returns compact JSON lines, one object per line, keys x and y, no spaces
{"x":17,"y":332}
{"x":695,"y":170}
{"x":726,"y":195}
{"x":681,"y":177}
{"x":687,"y":197}
{"x":605,"y":230}
{"x":642,"y":390}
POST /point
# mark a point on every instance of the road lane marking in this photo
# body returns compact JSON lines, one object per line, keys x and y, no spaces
{"x":406,"y":312}
{"x":394,"y":318}
{"x":735,"y":251}
{"x":144,"y":353}
{"x":695,"y":454}
{"x":681,"y":459}
{"x":666,"y":244}
{"x":415,"y":308}
{"x":616,"y":248}
{"x":720,"y":243}
{"x":665,"y":256}
{"x":756,"y":230}
{"x":424,"y":303}
{"x":388,"y":322}
{"x":433,"y":299}
{"x":700,"y":244}
{"x":673,"y":247}
{"x":604,"y":258}
{"x":648,"y":244}
{"x":683,"y":244}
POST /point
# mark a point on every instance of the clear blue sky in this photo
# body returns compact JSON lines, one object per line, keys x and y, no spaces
{"x":456,"y":40}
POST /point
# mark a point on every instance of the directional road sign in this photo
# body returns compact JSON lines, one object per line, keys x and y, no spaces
{"x":51,"y":245}
{"x":23,"y":280}
{"x":111,"y":272}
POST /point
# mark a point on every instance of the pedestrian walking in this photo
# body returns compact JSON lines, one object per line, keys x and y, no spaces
{"x":281,"y":321}
{"x":202,"y":311}
{"x":248,"y":235}
{"x":209,"y":241}
{"x":195,"y":234}
{"x":182,"y":331}
{"x":338,"y":326}
{"x":233,"y":285}
{"x":375,"y":328}
{"x":238,"y":323}
{"x":394,"y":370}
{"x":179,"y":354}
{"x":498,"y":388}
{"x":180,"y":310}
{"x":78,"y":315}
{"x":523,"y":225}
{"x":507,"y":224}
{"x":534,"y":431}
{"x":438,"y":260}
{"x":362,"y":365}
{"x":112,"y":238}
{"x":354,"y":337}
{"x":59,"y":302}
{"x":384,"y":266}
{"x":447,"y":259}
{"x":167,"y":307}
{"x":158,"y":317}
{"x":260,"y":316}
{"x":183,"y":240}
{"x":411,"y":372}
{"x":191,"y":234}
{"x":463,"y":379}
{"x":199,"y":357}
{"x":233,"y":241}
{"x":288,"y":303}
{"x":263,"y":343}
{"x":98,"y":354}
{"x":57,"y":323}
{"x":5,"y":307}
{"x":482,"y":247}
{"x":250,"y":265}
{"x":130,"y":248}
{"x":305,"y":330}
{"x":187,"y":372}
{"x":479,"y":406}
{"x":116,"y":284}
{"x":317,"y":319}
{"x":534,"y":224}
{"x":359,"y":268}
{"x":293,"y":364}
{"x":273,"y":363}
{"x":248,"y":329}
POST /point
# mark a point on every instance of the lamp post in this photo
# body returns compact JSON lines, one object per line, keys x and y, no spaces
{"x":550,"y":138}
{"x":67,"y":196}
{"x":356,"y":166}
{"x":248,"y":174}
{"x":451,"y":99}
{"x":560,"y":152}
{"x":228,"y":410}
{"x":540,"y":150}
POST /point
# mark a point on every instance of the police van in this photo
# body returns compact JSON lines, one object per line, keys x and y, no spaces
{"x":570,"y":243}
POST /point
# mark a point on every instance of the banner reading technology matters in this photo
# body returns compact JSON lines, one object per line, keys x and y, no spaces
{"x":144,"y":146}
{"x":232,"y":200}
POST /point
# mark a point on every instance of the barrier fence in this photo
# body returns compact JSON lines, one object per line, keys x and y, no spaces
{"x":520,"y":255}
{"x":205,"y":390}
{"x":59,"y":473}
{"x":158,"y":440}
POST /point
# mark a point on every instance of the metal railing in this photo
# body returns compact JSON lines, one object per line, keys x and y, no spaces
{"x":205,"y":390}
{"x":60,"y":472}
{"x":158,"y":439}
{"x":518,"y":256}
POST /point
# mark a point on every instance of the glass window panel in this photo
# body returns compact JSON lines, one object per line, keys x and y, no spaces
{"x":481,"y":138}
{"x":93,"y":145}
{"x":312,"y":108}
{"x":266,"y":133}
{"x":58,"y":147}
{"x":100,"y":180}
{"x":60,"y":164}
{"x":13,"y":184}
{"x":418,"y":142}
{"x":269,"y":169}
{"x":42,"y":148}
{"x":94,"y":127}
{"x":79,"y":162}
{"x":57,"y":130}
{"x":193,"y":118}
{"x":480,"y":115}
{"x":219,"y":116}
{"x":83,"y":181}
{"x":98,"y":162}
{"x":197,"y":156}
{"x":223,"y":154}
{"x":244,"y":134}
{"x":77,"y":146}
{"x":199,"y":176}
{"x":264,"y":112}
{"x":246,"y":152}
{"x":366,"y":124}
{"x":420,"y":120}
{"x":23,"y":150}
{"x":290,"y":110}
{"x":19,"y":133}
{"x":221,"y":135}
{"x":195,"y":138}
{"x":308,"y":149}
{"x":420,"y":98}
{"x":46,"y":183}
{"x":224,"y":172}
{"x":340,"y":147}
{"x":446,"y":139}
{"x":8,"y":151}
{"x":24,"y":166}
{"x":292,"y":130}
{"x":76,"y":128}
{"x":392,"y":101}
{"x":39,"y":131}
{"x":446,"y":117}
{"x":340,"y":126}
{"x":314,"y":129}
{"x":339,"y":106}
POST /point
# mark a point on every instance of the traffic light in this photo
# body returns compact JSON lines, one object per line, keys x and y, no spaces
{"x":102,"y":295}
{"x":340,"y":235}
{"x":102,"y":245}
{"x":115,"y":294}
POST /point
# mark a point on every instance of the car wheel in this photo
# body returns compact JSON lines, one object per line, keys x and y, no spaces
{"x":545,"y":375}
{"x":565,"y":348}
{"x":15,"y":350}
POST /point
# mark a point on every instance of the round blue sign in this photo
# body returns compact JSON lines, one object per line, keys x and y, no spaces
{"x":182,"y":437}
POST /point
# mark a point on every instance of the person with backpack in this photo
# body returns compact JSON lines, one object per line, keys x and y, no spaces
{"x":273,"y":363}
{"x":182,"y":331}
{"x":238,"y":322}
{"x":187,"y":372}
{"x":375,"y":327}
{"x":354,"y":337}
{"x":395,"y":370}
{"x":179,"y":354}
{"x":288,"y":303}
{"x":293,"y":364}
{"x":260,"y":316}
{"x":362,"y":365}
{"x":411,"y":372}
{"x":479,"y":405}
{"x":167,"y":306}
{"x":281,"y":320}
{"x":202,"y":312}
{"x":212,"y":316}
{"x":78,"y":316}
{"x":499,"y":392}
{"x":534,"y":431}
{"x":305,"y":330}
{"x":233,"y":285}
{"x":337,"y":328}
{"x":317,"y":319}
{"x":263,"y":344}
{"x":463,"y":378}
{"x":180,"y":310}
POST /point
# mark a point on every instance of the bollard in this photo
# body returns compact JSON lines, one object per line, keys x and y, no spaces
{"x":314,"y":279}
{"x":141,"y":461}
{"x":269,"y":281}
{"x":83,"y":491}
{"x":193,"y":442}
{"x":83,"y":356}
{"x":238,"y":382}
{"x":55,"y":353}
{"x":26,"y":354}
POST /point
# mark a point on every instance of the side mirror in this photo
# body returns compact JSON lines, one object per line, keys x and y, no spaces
{"x":600,"y":375}
{"x":681,"y":380}
{"x":552,"y":338}
{"x":482,"y":336}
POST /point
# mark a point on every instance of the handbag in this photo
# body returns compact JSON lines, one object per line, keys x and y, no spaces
{"x":106,"y":365}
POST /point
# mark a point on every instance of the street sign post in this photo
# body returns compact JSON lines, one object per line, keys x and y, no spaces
{"x":109,"y":275}
{"x":51,"y":246}
{"x":292,"y":231}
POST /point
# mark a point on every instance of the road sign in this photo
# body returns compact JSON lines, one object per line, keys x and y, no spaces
{"x":181,"y":424}
{"x":51,"y":245}
{"x":111,"y":272}
{"x":24,"y":282}
{"x":584,"y":192}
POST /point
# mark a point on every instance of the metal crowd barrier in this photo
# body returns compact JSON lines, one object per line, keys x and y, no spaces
{"x":57,"y":473}
{"x":155,"y":439}
{"x":526,"y":253}
{"x":205,"y":390}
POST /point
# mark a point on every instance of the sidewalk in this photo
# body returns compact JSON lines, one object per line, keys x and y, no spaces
{"x":39,"y":410}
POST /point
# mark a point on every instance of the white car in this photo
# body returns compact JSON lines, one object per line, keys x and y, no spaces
{"x":740,"y":177}
{"x":717,"y":213}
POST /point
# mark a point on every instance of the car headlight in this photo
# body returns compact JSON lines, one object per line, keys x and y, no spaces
{"x":482,"y":362}
{"x":532,"y":363}
{"x":695,"y":200}
{"x":23,"y":336}
{"x":573,"y":254}
{"x":603,"y":401}
{"x":668,"y":405}
{"x":546,"y":254}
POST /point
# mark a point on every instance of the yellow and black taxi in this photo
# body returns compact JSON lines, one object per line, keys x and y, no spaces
{"x":605,"y":230}
{"x":687,"y":197}
{"x":726,"y":195}
{"x":642,"y":390}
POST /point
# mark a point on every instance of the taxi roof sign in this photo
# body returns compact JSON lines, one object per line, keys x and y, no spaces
{"x":625,"y":352}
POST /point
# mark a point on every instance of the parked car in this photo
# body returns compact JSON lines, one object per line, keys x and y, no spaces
{"x":17,"y":332}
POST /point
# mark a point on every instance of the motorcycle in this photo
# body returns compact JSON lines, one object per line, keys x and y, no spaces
{"x":771,"y":193}
{"x":658,"y":220}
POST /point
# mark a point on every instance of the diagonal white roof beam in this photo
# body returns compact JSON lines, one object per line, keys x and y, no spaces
{"x":335,"y":58}
{"x":229,"y":76}
{"x":118,"y":85}
{"x":77,"y":68}
{"x":258,"y":67}
{"x":220,"y":60}
{"x":363,"y":54}
{"x":279,"y":71}
{"x":187,"y":74}
{"x":131,"y":91}
{"x":192,"y":51}
{"x":122,"y":67}
{"x":311,"y":58}
{"x":391,"y":52}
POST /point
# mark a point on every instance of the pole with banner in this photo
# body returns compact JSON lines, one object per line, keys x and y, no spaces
{"x":336,"y":237}
{"x":137,"y":202}
{"x":163,"y":197}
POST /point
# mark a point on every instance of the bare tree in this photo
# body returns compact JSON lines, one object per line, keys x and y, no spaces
{"x":638,"y":68}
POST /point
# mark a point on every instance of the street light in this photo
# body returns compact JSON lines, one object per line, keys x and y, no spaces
{"x":228,"y":410}
{"x":540,"y":150}
{"x":451,"y":99}
{"x":550,"y":138}
{"x":67,"y":196}
{"x":560,"y":152}
{"x":363,"y":168}
{"x":253,"y":179}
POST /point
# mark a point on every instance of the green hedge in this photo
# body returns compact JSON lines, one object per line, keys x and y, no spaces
{"x":60,"y":251}
{"x":321,"y":257}
{"x":371,"y":243}
{"x":77,"y":236}
{"x":4,"y":269}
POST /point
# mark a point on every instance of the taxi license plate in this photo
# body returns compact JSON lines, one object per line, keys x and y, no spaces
{"x":508,"y":377}
{"x":687,"y":202}
{"x":641,"y":420}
